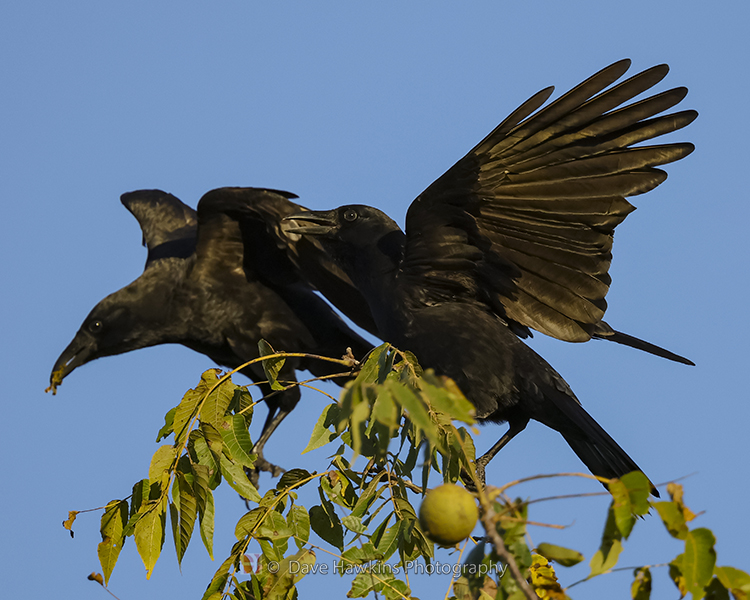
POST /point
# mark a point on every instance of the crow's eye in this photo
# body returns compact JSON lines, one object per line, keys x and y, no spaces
{"x":95,"y":326}
{"x":350,"y":215}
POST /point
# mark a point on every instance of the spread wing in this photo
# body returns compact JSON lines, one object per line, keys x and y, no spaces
{"x":169,"y":226}
{"x":525,"y":221}
{"x":279,"y":258}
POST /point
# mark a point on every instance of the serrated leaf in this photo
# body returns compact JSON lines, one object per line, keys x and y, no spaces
{"x":563,"y":556}
{"x":321,"y":434}
{"x":272,"y":366}
{"x":698,"y":561}
{"x":217,"y":403}
{"x":149,"y":534}
{"x":113,"y":523}
{"x":187,"y":514}
{"x":206,"y":457}
{"x":236,"y":477}
{"x":237,"y":439}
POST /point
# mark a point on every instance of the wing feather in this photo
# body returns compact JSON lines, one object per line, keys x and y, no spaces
{"x":525,"y":221}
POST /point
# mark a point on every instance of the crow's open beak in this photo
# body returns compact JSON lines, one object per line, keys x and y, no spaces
{"x":78,"y":352}
{"x":319,"y":222}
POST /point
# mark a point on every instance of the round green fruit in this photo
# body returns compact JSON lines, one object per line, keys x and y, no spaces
{"x":448,"y":514}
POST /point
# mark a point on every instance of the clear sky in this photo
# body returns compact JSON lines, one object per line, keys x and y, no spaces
{"x":343,"y":103}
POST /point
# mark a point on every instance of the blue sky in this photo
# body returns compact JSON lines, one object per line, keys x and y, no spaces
{"x":342,"y":103}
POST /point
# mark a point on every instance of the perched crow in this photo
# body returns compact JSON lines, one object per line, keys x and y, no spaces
{"x":516,"y":235}
{"x":218,"y":282}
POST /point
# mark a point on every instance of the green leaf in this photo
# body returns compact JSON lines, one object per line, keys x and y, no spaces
{"x":161,"y":463}
{"x":610,"y":547}
{"x":298,"y":521}
{"x":716,"y":591}
{"x":630,"y":498}
{"x":237,"y":439}
{"x":321,"y":434}
{"x":563,"y":556}
{"x":363,"y":584}
{"x":166,"y":429}
{"x":292,"y":477}
{"x":237,"y":479}
{"x":188,"y":511}
{"x":206,"y":458}
{"x":641,"y":586}
{"x":207,"y":524}
{"x":217,"y":403}
{"x":416,"y":408}
{"x":272,"y":366}
{"x":444,"y":396}
{"x":699,"y":560}
{"x":353,"y":523}
{"x":149,"y":534}
{"x":113,"y":523}
{"x":328,"y":527}
{"x":734,"y":580}
{"x":220,"y":578}
{"x":248,"y":523}
{"x":385,"y":411}
{"x":387,"y":544}
{"x":290,"y":571}
{"x":639,"y":490}
{"x":675,"y":573}
{"x":673,"y":518}
{"x":377,"y":365}
{"x":273,"y":526}
{"x":188,"y":406}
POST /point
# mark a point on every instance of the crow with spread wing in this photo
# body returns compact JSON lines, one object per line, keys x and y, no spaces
{"x":516,"y":236}
{"x":218,"y":281}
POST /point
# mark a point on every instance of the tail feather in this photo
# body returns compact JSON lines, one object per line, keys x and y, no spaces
{"x":604,"y":332}
{"x":595,"y":447}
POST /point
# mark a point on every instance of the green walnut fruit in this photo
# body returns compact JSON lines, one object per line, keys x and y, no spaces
{"x":448,"y":514}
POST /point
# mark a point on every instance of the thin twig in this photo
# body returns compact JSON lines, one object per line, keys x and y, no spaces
{"x":487,"y":516}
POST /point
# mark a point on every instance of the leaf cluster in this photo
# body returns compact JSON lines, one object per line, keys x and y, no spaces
{"x":404,"y":427}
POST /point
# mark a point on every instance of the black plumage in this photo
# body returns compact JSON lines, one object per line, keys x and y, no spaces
{"x":516,"y":236}
{"x":218,"y":281}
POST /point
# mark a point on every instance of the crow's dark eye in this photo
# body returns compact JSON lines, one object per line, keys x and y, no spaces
{"x":350,"y":215}
{"x":95,"y":326}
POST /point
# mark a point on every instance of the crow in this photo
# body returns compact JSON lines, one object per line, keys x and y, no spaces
{"x":517,"y":235}
{"x":218,"y":281}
